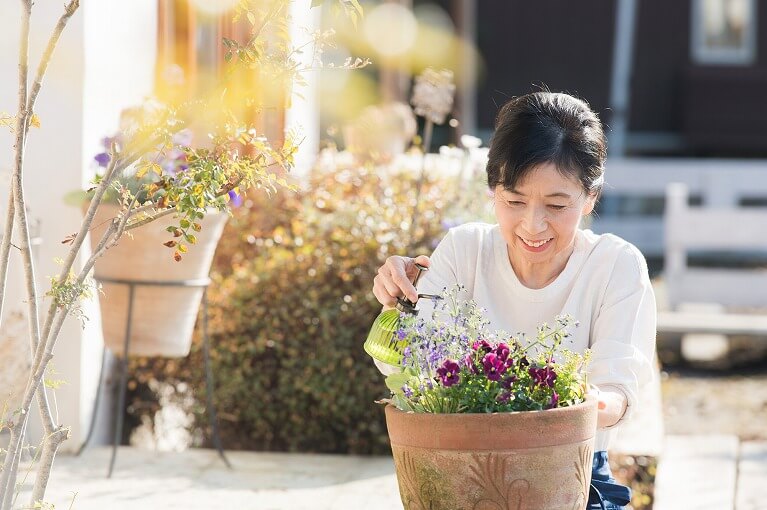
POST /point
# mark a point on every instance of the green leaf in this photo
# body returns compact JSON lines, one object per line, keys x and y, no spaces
{"x":77,"y":198}
{"x":184,"y":223}
{"x":395,"y":382}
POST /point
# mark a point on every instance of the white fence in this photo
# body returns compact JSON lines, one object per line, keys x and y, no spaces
{"x":634,"y":196}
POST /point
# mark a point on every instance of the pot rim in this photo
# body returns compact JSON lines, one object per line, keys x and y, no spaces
{"x":516,"y":430}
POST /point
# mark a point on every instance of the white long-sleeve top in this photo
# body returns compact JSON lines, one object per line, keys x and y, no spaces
{"x":605,"y":286}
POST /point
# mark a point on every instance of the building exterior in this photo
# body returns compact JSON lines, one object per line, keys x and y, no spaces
{"x":697,"y":73}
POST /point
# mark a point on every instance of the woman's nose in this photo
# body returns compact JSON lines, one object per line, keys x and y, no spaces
{"x":535,"y":221}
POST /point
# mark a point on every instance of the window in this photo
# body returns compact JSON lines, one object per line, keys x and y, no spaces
{"x":723,"y":32}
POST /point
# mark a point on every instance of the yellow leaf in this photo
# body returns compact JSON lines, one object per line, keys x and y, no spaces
{"x":35,"y":120}
{"x":141,"y":171}
{"x":156,"y":168}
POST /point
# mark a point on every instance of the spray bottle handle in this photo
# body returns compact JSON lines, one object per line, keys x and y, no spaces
{"x":421,"y":269}
{"x":403,"y":303}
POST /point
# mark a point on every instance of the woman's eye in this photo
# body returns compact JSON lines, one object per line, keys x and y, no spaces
{"x":557,"y":207}
{"x":515,"y":202}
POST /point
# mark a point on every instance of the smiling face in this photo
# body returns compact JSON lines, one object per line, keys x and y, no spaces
{"x":539,"y":220}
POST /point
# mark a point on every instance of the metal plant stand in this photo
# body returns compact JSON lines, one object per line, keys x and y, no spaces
{"x":211,"y":412}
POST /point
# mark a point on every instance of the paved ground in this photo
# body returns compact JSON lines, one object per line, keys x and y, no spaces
{"x":198,"y":479}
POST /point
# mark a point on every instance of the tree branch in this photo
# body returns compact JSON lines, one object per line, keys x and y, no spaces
{"x":51,"y":445}
{"x":5,"y":251}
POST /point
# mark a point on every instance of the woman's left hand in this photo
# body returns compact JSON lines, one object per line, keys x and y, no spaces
{"x":611,"y":405}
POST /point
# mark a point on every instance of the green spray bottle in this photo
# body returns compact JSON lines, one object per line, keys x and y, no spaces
{"x":382,"y":344}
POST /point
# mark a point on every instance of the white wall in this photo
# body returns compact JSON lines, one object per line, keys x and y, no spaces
{"x":104,"y":62}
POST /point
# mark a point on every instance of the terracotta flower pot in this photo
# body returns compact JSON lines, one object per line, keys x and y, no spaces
{"x":538,"y":460}
{"x":163,"y":317}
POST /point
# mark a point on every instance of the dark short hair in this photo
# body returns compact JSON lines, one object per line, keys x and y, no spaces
{"x":547,"y":127}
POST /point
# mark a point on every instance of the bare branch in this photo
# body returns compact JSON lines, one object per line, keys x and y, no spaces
{"x":5,"y":250}
{"x":51,"y":445}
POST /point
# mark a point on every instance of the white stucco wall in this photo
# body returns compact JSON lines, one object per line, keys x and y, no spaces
{"x":104,"y":62}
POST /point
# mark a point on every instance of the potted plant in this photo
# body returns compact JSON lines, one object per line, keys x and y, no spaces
{"x":486,"y":421}
{"x":165,"y":306}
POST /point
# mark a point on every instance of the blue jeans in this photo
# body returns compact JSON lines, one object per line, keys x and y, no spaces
{"x":605,"y":493}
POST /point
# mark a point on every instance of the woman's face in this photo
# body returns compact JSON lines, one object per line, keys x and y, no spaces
{"x":540,"y":217}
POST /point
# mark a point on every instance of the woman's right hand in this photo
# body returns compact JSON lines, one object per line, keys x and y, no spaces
{"x":395,"y":279}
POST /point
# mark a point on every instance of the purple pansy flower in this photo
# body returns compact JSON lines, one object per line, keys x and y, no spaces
{"x":468,"y":361}
{"x":502,"y":351}
{"x":494,"y":367}
{"x":507,"y":382}
{"x":448,"y":373}
{"x":543,"y":376}
{"x":482,"y":345}
{"x":504,"y":397}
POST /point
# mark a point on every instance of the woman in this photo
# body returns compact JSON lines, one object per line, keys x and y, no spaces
{"x":545,"y":170}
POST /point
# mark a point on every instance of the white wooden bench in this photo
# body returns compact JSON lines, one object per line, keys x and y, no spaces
{"x":632,"y":183}
{"x":703,"y":301}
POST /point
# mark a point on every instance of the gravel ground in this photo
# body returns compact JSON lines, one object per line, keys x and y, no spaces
{"x":709,"y":401}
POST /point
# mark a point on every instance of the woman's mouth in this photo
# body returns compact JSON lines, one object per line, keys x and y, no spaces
{"x":536,"y":245}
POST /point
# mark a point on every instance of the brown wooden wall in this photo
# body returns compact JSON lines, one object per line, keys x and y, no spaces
{"x":563,"y":44}
{"x":712,"y":110}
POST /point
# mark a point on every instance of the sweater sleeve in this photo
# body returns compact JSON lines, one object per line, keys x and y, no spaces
{"x":623,"y":335}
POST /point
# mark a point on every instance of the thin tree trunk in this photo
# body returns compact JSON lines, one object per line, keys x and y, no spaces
{"x":5,"y":251}
{"x":50,"y":447}
{"x":10,"y":466}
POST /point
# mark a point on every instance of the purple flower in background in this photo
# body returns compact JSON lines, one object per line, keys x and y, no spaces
{"x":102,"y":159}
{"x":235,"y":200}
{"x":543,"y":376}
{"x":504,"y":397}
{"x":448,"y":373}
{"x":407,"y":390}
{"x":493,"y":366}
{"x":554,"y":400}
{"x":507,"y":382}
{"x":449,"y":223}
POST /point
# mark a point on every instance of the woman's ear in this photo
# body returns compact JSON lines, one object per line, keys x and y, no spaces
{"x":588,"y":207}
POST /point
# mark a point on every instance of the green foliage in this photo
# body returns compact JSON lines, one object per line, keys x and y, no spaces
{"x":291,"y":305}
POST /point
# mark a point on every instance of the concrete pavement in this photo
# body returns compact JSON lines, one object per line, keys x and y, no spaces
{"x":198,"y":479}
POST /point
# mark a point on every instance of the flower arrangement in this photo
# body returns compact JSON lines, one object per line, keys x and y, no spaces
{"x":453,"y":364}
